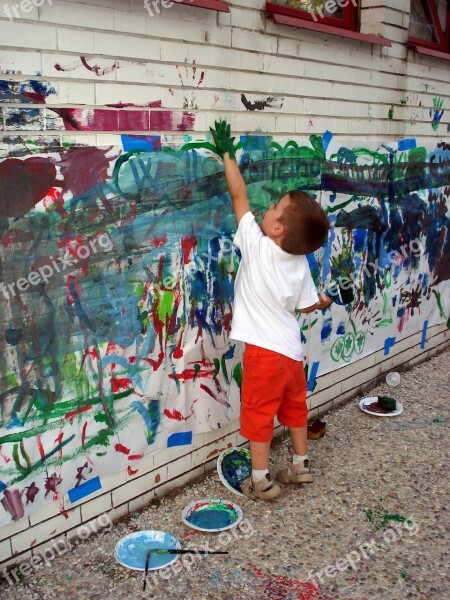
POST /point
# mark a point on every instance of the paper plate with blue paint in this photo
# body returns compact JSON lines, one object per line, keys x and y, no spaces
{"x":233,"y":466}
{"x":212,"y":514}
{"x":131,"y":551}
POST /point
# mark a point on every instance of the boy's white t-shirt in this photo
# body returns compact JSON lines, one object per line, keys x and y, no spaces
{"x":270,"y":285}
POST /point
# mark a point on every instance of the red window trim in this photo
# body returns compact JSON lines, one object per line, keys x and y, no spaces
{"x":216,"y":5}
{"x":429,"y":51}
{"x":354,"y":35}
{"x":349,"y":22}
{"x":444,"y":41}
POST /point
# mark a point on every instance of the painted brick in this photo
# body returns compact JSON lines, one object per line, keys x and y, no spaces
{"x":5,"y":550}
{"x":27,"y":35}
{"x":27,"y":63}
{"x":13,"y":528}
{"x":77,"y":15}
{"x":129,"y":22}
{"x":254,"y":41}
{"x":46,"y":530}
{"x":179,"y":467}
{"x":126,"y":46}
{"x":46,"y":512}
{"x":13,"y":11}
{"x":162,"y":27}
{"x":75,"y":40}
{"x":97,"y":506}
{"x":118,"y":512}
{"x":14,"y":561}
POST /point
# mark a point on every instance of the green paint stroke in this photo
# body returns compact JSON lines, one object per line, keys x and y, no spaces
{"x":439,"y":303}
{"x":381,"y":517}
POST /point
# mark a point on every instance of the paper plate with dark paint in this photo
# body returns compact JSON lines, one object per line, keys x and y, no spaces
{"x":212,"y":514}
{"x":233,"y":466}
{"x":370,"y":406}
{"x":131,"y":551}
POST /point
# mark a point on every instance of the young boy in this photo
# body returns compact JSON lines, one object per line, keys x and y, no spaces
{"x":273,"y":282}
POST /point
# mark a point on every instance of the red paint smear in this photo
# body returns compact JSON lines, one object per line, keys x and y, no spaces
{"x":208,"y":391}
{"x":175,"y":414}
{"x":202,"y":76}
{"x":120,"y":383}
{"x":191,"y":374}
{"x":123,"y":449}
{"x":83,"y":433}
{"x":59,"y":438}
{"x":153,"y":104}
{"x":213,"y":453}
{"x":69,"y":416}
{"x":135,"y":456}
{"x":164,"y":120}
{"x":131,"y":472}
{"x":156,"y":364}
{"x":24,"y":184}
{"x":55,"y":202}
{"x":158,"y":242}
{"x":15,"y":236}
{"x":5,"y":458}
{"x":190,"y":534}
{"x":40,"y":446}
{"x":188,"y":243}
{"x":158,"y":478}
{"x":178,"y":352}
{"x":278,"y":587}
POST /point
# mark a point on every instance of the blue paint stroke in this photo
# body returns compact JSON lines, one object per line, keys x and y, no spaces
{"x":424,"y":335}
{"x":326,"y":139}
{"x":85,"y":489}
{"x":3,"y":486}
{"x":179,"y":439}
{"x":407,"y":144}
{"x":145,"y":143}
{"x":312,"y":376}
{"x":388,"y":344}
{"x":151,"y":417}
{"x":327,"y":329}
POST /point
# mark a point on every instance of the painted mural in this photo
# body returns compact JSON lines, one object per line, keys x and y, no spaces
{"x":116,"y":290}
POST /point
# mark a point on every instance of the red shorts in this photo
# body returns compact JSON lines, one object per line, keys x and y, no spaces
{"x":272,"y":385}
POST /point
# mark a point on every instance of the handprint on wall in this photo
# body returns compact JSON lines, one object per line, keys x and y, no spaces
{"x":190,"y":79}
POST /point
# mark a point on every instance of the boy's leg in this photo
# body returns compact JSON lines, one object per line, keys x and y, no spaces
{"x":293,"y":413}
{"x":260,"y":452}
{"x":299,"y":438}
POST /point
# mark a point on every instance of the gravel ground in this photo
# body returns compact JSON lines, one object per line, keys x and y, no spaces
{"x":373,"y":525}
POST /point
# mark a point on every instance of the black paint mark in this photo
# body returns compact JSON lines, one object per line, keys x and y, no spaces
{"x":270,"y":102}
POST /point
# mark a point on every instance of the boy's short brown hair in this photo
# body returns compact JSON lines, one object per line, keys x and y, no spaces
{"x":306,"y":224}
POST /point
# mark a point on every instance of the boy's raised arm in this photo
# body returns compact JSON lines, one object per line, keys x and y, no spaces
{"x":235,"y":182}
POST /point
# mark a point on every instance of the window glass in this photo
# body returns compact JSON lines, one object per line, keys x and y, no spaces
{"x":422,"y":23}
{"x":322,"y":8}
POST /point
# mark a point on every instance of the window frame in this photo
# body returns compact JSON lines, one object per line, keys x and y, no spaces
{"x":443,"y":45}
{"x":349,"y":22}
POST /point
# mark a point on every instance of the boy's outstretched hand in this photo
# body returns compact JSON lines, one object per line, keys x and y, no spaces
{"x":222,"y":139}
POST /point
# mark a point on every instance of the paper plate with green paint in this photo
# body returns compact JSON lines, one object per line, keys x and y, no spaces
{"x":370,"y":406}
{"x":233,"y":466}
{"x":212,"y":514}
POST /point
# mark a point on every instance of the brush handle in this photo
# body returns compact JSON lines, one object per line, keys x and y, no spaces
{"x":147,"y":560}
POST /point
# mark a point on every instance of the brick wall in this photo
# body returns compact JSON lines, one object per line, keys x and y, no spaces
{"x":200,"y":62}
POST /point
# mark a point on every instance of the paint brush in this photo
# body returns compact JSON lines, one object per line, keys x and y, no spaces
{"x":180,"y":551}
{"x":147,"y":560}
